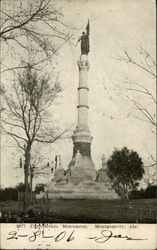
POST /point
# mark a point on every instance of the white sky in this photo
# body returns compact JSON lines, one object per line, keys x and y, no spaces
{"x":113,"y":24}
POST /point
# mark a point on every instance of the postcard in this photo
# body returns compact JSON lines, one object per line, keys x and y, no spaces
{"x":78,"y":124}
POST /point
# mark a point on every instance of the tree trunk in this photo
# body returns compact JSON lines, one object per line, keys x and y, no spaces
{"x":31,"y":186}
{"x":27,"y":163}
{"x":26,"y":189}
{"x":126,"y":193}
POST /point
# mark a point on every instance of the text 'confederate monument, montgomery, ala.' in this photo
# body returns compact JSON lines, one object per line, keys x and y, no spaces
{"x":81,"y":179}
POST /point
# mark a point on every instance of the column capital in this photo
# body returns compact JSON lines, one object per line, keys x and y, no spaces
{"x":83,"y":65}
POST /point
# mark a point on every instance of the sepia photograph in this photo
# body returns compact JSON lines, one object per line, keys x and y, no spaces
{"x":78,"y":113}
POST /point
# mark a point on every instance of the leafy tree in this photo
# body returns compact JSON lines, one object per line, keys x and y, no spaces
{"x":151,"y":191}
{"x":39,"y":187}
{"x":20,"y":187}
{"x":138,"y":194}
{"x":9,"y":194}
{"x":125,"y":168}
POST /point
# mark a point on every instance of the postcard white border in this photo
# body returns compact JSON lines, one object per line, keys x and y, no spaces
{"x":144,"y":236}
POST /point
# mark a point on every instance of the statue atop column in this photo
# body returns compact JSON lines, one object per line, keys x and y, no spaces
{"x":85,"y":41}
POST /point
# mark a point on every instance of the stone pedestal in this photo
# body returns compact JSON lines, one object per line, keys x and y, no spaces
{"x":82,"y":190}
{"x":82,"y":181}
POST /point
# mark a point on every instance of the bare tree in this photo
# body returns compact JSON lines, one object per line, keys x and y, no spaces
{"x":150,"y":176}
{"x":25,"y":113}
{"x":132,"y":90}
{"x":134,"y":93}
{"x":39,"y":166}
{"x":35,"y":27}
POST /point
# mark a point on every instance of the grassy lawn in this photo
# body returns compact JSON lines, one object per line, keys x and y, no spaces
{"x":88,"y":211}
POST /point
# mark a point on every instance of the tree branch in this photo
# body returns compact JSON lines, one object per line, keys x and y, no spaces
{"x":22,"y":24}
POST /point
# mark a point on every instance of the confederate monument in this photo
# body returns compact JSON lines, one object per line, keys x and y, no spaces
{"x":81,"y":179}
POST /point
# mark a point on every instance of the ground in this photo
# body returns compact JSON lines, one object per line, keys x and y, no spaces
{"x":87,"y":211}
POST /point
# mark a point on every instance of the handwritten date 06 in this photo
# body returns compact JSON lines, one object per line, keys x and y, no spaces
{"x":14,"y":235}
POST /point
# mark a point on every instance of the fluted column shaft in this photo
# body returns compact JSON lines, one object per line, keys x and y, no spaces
{"x":83,"y":65}
{"x":82,"y":137}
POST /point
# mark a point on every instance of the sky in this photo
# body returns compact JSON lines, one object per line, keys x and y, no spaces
{"x":113,"y":25}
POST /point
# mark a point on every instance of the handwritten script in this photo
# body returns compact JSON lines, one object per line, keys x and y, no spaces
{"x":13,"y":235}
{"x":102,"y":237}
{"x":106,"y":235}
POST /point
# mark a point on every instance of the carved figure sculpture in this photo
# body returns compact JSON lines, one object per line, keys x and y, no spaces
{"x":77,"y":158}
{"x":85,"y":41}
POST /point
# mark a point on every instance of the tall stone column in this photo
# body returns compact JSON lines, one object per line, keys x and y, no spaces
{"x":82,"y":137}
{"x":81,"y":168}
{"x":85,"y":169}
